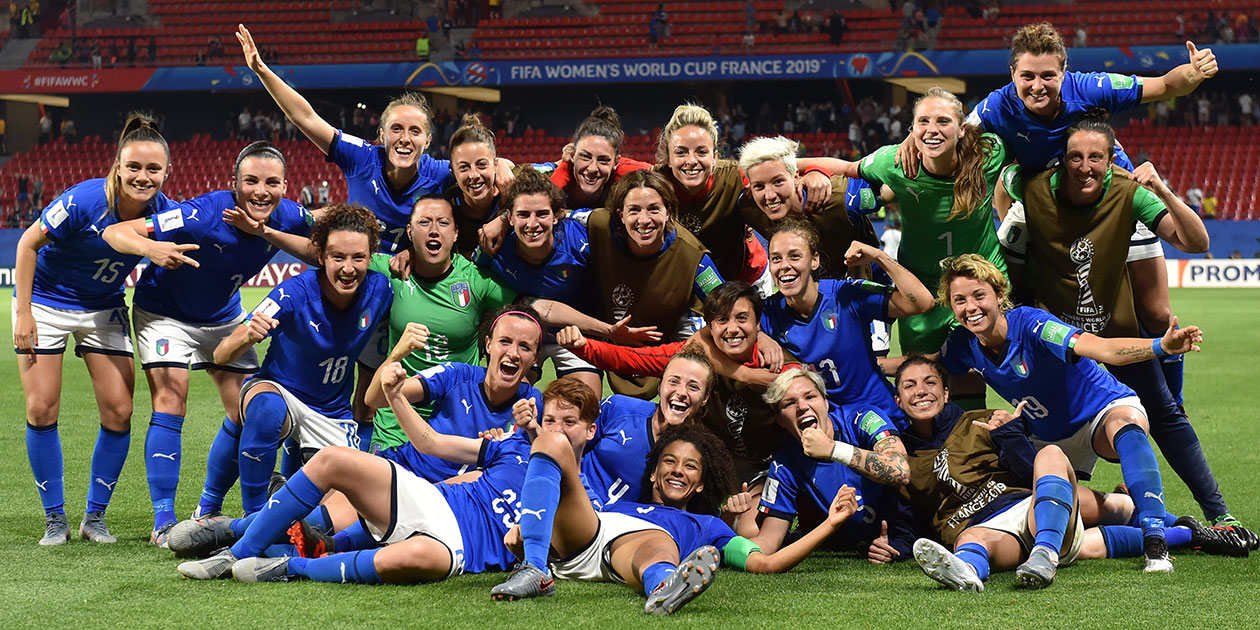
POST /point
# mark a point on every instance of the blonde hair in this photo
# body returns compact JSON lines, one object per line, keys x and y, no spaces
{"x":138,"y":128}
{"x":977,"y":268}
{"x":778,"y":389}
{"x":766,"y":149}
{"x":408,"y":99}
{"x":973,"y":149}
{"x":1038,"y":39}
{"x":686,"y":115}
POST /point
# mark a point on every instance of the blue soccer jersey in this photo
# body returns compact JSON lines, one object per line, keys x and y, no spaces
{"x":615,"y":459}
{"x":488,"y":507}
{"x":836,"y":339}
{"x":799,"y":483}
{"x":561,"y":277}
{"x":313,"y":346}
{"x":459,"y":408}
{"x":364,"y":165}
{"x":860,"y":198}
{"x":78,"y":270}
{"x":210,"y":294}
{"x":690,"y":531}
{"x":1038,"y":143}
{"x":1064,"y":392}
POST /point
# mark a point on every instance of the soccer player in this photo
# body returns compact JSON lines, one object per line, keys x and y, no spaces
{"x":69,"y":281}
{"x":587,"y":176}
{"x":186,"y":303}
{"x":476,"y":193}
{"x":1073,"y":224}
{"x":669,"y":545}
{"x":318,"y":322}
{"x":834,"y":446}
{"x":1048,"y":370}
{"x":827,"y":323}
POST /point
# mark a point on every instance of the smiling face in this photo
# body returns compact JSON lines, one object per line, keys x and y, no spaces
{"x":802,"y":407}
{"x":921,"y":392}
{"x":937,"y":128}
{"x":791,"y":262}
{"x":345,"y":261}
{"x":432,"y":232}
{"x":976,"y":305}
{"x":473,"y":165}
{"x":683,"y":391}
{"x":533,"y":220}
{"x":512,"y":348}
{"x":773,"y":189}
{"x":679,"y":474}
{"x":563,"y":417}
{"x":644,"y":216}
{"x":405,"y":137}
{"x":593,"y":162}
{"x":259,"y":186}
{"x":692,"y":158}
{"x":1087,"y":160}
{"x":1038,"y":80}
{"x":143,"y":168}
{"x":735,"y":333}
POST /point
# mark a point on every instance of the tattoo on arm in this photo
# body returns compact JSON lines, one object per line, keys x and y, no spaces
{"x":886,"y":464}
{"x":1141,"y":353}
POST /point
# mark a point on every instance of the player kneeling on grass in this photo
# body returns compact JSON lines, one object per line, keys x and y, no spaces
{"x":668,"y":546}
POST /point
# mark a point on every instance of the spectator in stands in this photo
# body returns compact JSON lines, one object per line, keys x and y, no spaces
{"x":750,"y":16}
{"x":37,"y":192}
{"x":15,"y":19}
{"x":1194,"y":198}
{"x":837,"y":26}
{"x":214,"y":47}
{"x":152,"y":48}
{"x":69,"y":131}
{"x":422,"y":46}
{"x":131,"y":53}
{"x":115,"y":53}
{"x":1209,"y":206}
{"x":26,"y":26}
{"x":1237,"y":255}
{"x":1244,"y":108}
{"x":61,"y":54}
{"x":1081,"y":36}
{"x":890,"y":240}
{"x":325,"y":194}
{"x":656,"y":25}
{"x":749,"y":41}
{"x":4,"y":147}
{"x":45,"y":128}
{"x":243,"y":121}
{"x":307,"y":196}
{"x":23,"y":192}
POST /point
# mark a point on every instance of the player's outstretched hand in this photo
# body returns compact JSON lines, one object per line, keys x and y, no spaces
{"x":816,"y":443}
{"x":1204,"y":62}
{"x":570,"y":338}
{"x":740,"y":502}
{"x":400,"y":263}
{"x":880,"y":552}
{"x":24,"y":335}
{"x":260,"y":325}
{"x":252,"y":58}
{"x":908,"y":157}
{"x":490,"y":236}
{"x":843,"y":506}
{"x":1002,"y":417}
{"x":414,"y":337}
{"x":171,"y":255}
{"x":815,"y":189}
{"x":860,"y":254}
{"x":623,"y":334}
{"x":525,"y":414}
{"x":241,"y":220}
{"x":1181,"y":340}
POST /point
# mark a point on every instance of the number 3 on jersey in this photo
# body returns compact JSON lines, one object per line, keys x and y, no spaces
{"x":334,"y":369}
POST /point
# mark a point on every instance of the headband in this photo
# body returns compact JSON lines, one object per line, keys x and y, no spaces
{"x":520,"y":313}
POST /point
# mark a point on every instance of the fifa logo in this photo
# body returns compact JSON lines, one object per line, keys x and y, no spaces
{"x":1082,"y":254}
{"x":623,"y":299}
{"x":940,"y":467}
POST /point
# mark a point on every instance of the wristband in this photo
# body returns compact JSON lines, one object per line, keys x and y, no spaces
{"x":1157,"y":346}
{"x":843,"y":453}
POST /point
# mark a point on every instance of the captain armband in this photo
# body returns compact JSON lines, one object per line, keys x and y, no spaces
{"x":736,"y":552}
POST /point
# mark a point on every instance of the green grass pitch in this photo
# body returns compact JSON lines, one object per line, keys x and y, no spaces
{"x":132,"y":584}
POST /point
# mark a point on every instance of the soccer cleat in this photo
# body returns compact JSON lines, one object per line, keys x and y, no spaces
{"x":1038,"y":571}
{"x":56,"y":529}
{"x":277,"y":481}
{"x":261,"y":570}
{"x":526,"y":581}
{"x":200,"y":513}
{"x":942,"y":565}
{"x":200,"y":539}
{"x":1227,"y":521}
{"x":1155,"y":550}
{"x":216,"y":567}
{"x":694,"y":575}
{"x":1219,"y":541}
{"x":93,"y":528}
{"x":310,"y":541}
{"x":160,"y":535}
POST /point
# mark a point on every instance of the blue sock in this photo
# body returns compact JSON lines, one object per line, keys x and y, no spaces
{"x":365,"y":436}
{"x":295,"y":500}
{"x":1177,"y":536}
{"x":43,"y":450}
{"x":977,"y":556}
{"x":354,"y":537}
{"x":656,"y":574}
{"x":1141,"y":474}
{"x":320,"y":518}
{"x":1122,"y":541}
{"x":1052,"y":508}
{"x":290,"y":457}
{"x":1174,"y":369}
{"x":107,"y":463}
{"x":540,"y":496}
{"x":356,"y":567}
{"x":161,"y":463}
{"x":283,"y":549}
{"x":221,"y":466}
{"x":260,"y":436}
{"x":239,"y":525}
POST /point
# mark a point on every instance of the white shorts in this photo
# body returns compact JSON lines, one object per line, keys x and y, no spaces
{"x":107,"y":331}
{"x":167,"y":342}
{"x":377,"y":347}
{"x":311,"y":429}
{"x":419,"y":509}
{"x":594,"y":563}
{"x":1144,"y":244}
{"x":563,"y":360}
{"x":1014,"y":521}
{"x":1079,"y":447}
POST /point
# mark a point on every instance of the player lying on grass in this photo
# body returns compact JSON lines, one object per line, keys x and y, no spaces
{"x":997,"y":502}
{"x":669,"y":546}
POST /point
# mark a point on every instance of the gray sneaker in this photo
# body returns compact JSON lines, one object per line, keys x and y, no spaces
{"x":1038,"y":571}
{"x":201,"y":514}
{"x":56,"y":529}
{"x":199,"y":539}
{"x":526,"y":581}
{"x":93,"y":528}
{"x":261,"y":570}
{"x":942,"y":565}
{"x":216,"y":567}
{"x":694,"y":575}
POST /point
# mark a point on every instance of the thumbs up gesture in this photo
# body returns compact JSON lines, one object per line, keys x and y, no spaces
{"x":1203,"y":61}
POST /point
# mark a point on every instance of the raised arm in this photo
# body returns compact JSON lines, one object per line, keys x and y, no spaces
{"x":244,"y":337}
{"x":885,"y":463}
{"x":296,"y":108}
{"x":452,"y":448}
{"x":1183,"y":79}
{"x":414,"y":337}
{"x":909,"y":296}
{"x":1182,"y":228}
{"x":1126,"y":350}
{"x":300,"y":247}
{"x":835,"y":166}
{"x":555,"y":313}
{"x":843,"y":506}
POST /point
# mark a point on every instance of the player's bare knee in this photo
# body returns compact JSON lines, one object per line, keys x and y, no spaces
{"x":331,"y":462}
{"x":553,"y":445}
{"x":42,"y":413}
{"x":1051,"y":460}
{"x":171,"y":400}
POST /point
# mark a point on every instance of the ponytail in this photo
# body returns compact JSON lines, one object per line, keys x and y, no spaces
{"x":970,"y":185}
{"x":471,"y":129}
{"x":138,"y":128}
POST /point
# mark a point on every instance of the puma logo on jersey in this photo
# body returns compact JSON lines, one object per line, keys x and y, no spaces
{"x":985,"y":105}
{"x":510,"y":272}
{"x":376,"y":188}
{"x":170,"y":456}
{"x":913,"y":193}
{"x":624,"y":438}
{"x":246,"y":455}
{"x":218,"y":246}
{"x":192,"y":216}
{"x":852,"y":198}
{"x":535,"y":513}
{"x":283,"y":295}
{"x":467,"y":407}
{"x":521,"y":460}
{"x":644,"y":510}
{"x":1024,"y":136}
{"x":313,"y":325}
{"x":110,"y":486}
